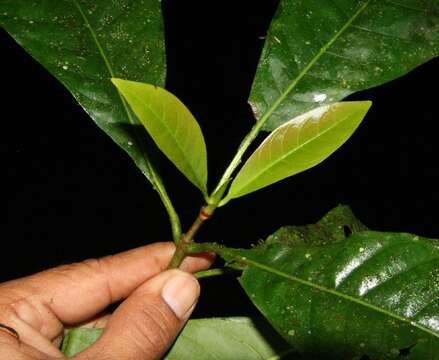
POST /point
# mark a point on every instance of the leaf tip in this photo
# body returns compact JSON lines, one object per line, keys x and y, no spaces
{"x":116,"y":81}
{"x":367,"y":104}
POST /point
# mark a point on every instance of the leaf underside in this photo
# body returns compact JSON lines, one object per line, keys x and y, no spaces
{"x":236,"y":338}
{"x":318,"y":51}
{"x":172,"y":127}
{"x":298,"y":145}
{"x":337,"y":297}
{"x":84,"y":43}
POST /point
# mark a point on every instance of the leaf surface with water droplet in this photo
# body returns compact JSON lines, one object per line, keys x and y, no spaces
{"x":318,"y":52}
{"x":371,"y":293}
{"x":85,"y":43}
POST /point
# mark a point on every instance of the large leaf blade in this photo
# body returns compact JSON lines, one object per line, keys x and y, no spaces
{"x":83,"y":44}
{"x":235,"y":338}
{"x":298,"y":145}
{"x":318,"y":52}
{"x":172,"y":127}
{"x":372,"y":293}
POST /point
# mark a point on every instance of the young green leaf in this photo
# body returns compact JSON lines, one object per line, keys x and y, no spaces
{"x":319,"y":52}
{"x":172,"y":127}
{"x":298,"y":145}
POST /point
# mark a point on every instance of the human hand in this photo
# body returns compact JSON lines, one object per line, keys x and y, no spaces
{"x":35,"y":310}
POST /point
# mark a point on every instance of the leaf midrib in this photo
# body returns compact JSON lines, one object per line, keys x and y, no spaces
{"x":112,"y":74}
{"x":335,"y":293}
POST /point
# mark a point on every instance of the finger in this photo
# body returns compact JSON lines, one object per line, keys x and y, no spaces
{"x":197,"y":262}
{"x":98,"y":322}
{"x":21,"y":321}
{"x":76,"y":292}
{"x":146,"y":324}
{"x":13,"y":348}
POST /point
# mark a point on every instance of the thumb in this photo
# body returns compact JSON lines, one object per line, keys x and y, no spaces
{"x":145,"y":324}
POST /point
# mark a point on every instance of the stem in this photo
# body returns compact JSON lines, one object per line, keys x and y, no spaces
{"x":212,"y":272}
{"x":172,"y":214}
{"x":178,"y":258}
{"x":205,"y":213}
{"x":195,"y":248}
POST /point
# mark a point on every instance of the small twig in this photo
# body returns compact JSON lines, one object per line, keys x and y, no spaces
{"x":214,"y":272}
{"x":205,"y":213}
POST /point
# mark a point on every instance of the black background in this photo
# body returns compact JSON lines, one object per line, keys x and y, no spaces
{"x":70,"y":193}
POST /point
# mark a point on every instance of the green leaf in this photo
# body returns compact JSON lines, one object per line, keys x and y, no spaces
{"x":319,"y":52}
{"x":236,"y":338}
{"x":333,"y":227}
{"x":228,"y":338}
{"x":84,"y":43}
{"x":298,"y":145}
{"x":77,"y":340}
{"x":172,"y":127}
{"x":372,"y":293}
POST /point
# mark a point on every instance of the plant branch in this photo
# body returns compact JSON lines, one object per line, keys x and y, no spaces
{"x":205,"y":213}
{"x":213,"y":272}
{"x":172,"y":214}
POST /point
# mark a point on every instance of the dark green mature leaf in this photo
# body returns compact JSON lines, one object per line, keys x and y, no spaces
{"x":335,"y":226}
{"x":320,"y":51}
{"x":84,"y":43}
{"x":172,"y":127}
{"x":298,"y":145}
{"x":372,"y":293}
{"x":207,"y":339}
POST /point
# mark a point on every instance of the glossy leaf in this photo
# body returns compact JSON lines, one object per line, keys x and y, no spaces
{"x":84,"y":43}
{"x":207,"y":339}
{"x":332,"y":297}
{"x":318,"y":52}
{"x":172,"y":127}
{"x":298,"y":145}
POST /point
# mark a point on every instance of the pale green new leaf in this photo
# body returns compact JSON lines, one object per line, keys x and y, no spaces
{"x":298,"y":145}
{"x":172,"y":127}
{"x":236,"y":338}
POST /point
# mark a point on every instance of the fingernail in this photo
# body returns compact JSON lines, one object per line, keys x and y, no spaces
{"x":181,"y":293}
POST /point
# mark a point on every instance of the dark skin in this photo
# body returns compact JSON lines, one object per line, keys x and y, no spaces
{"x":156,"y":303}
